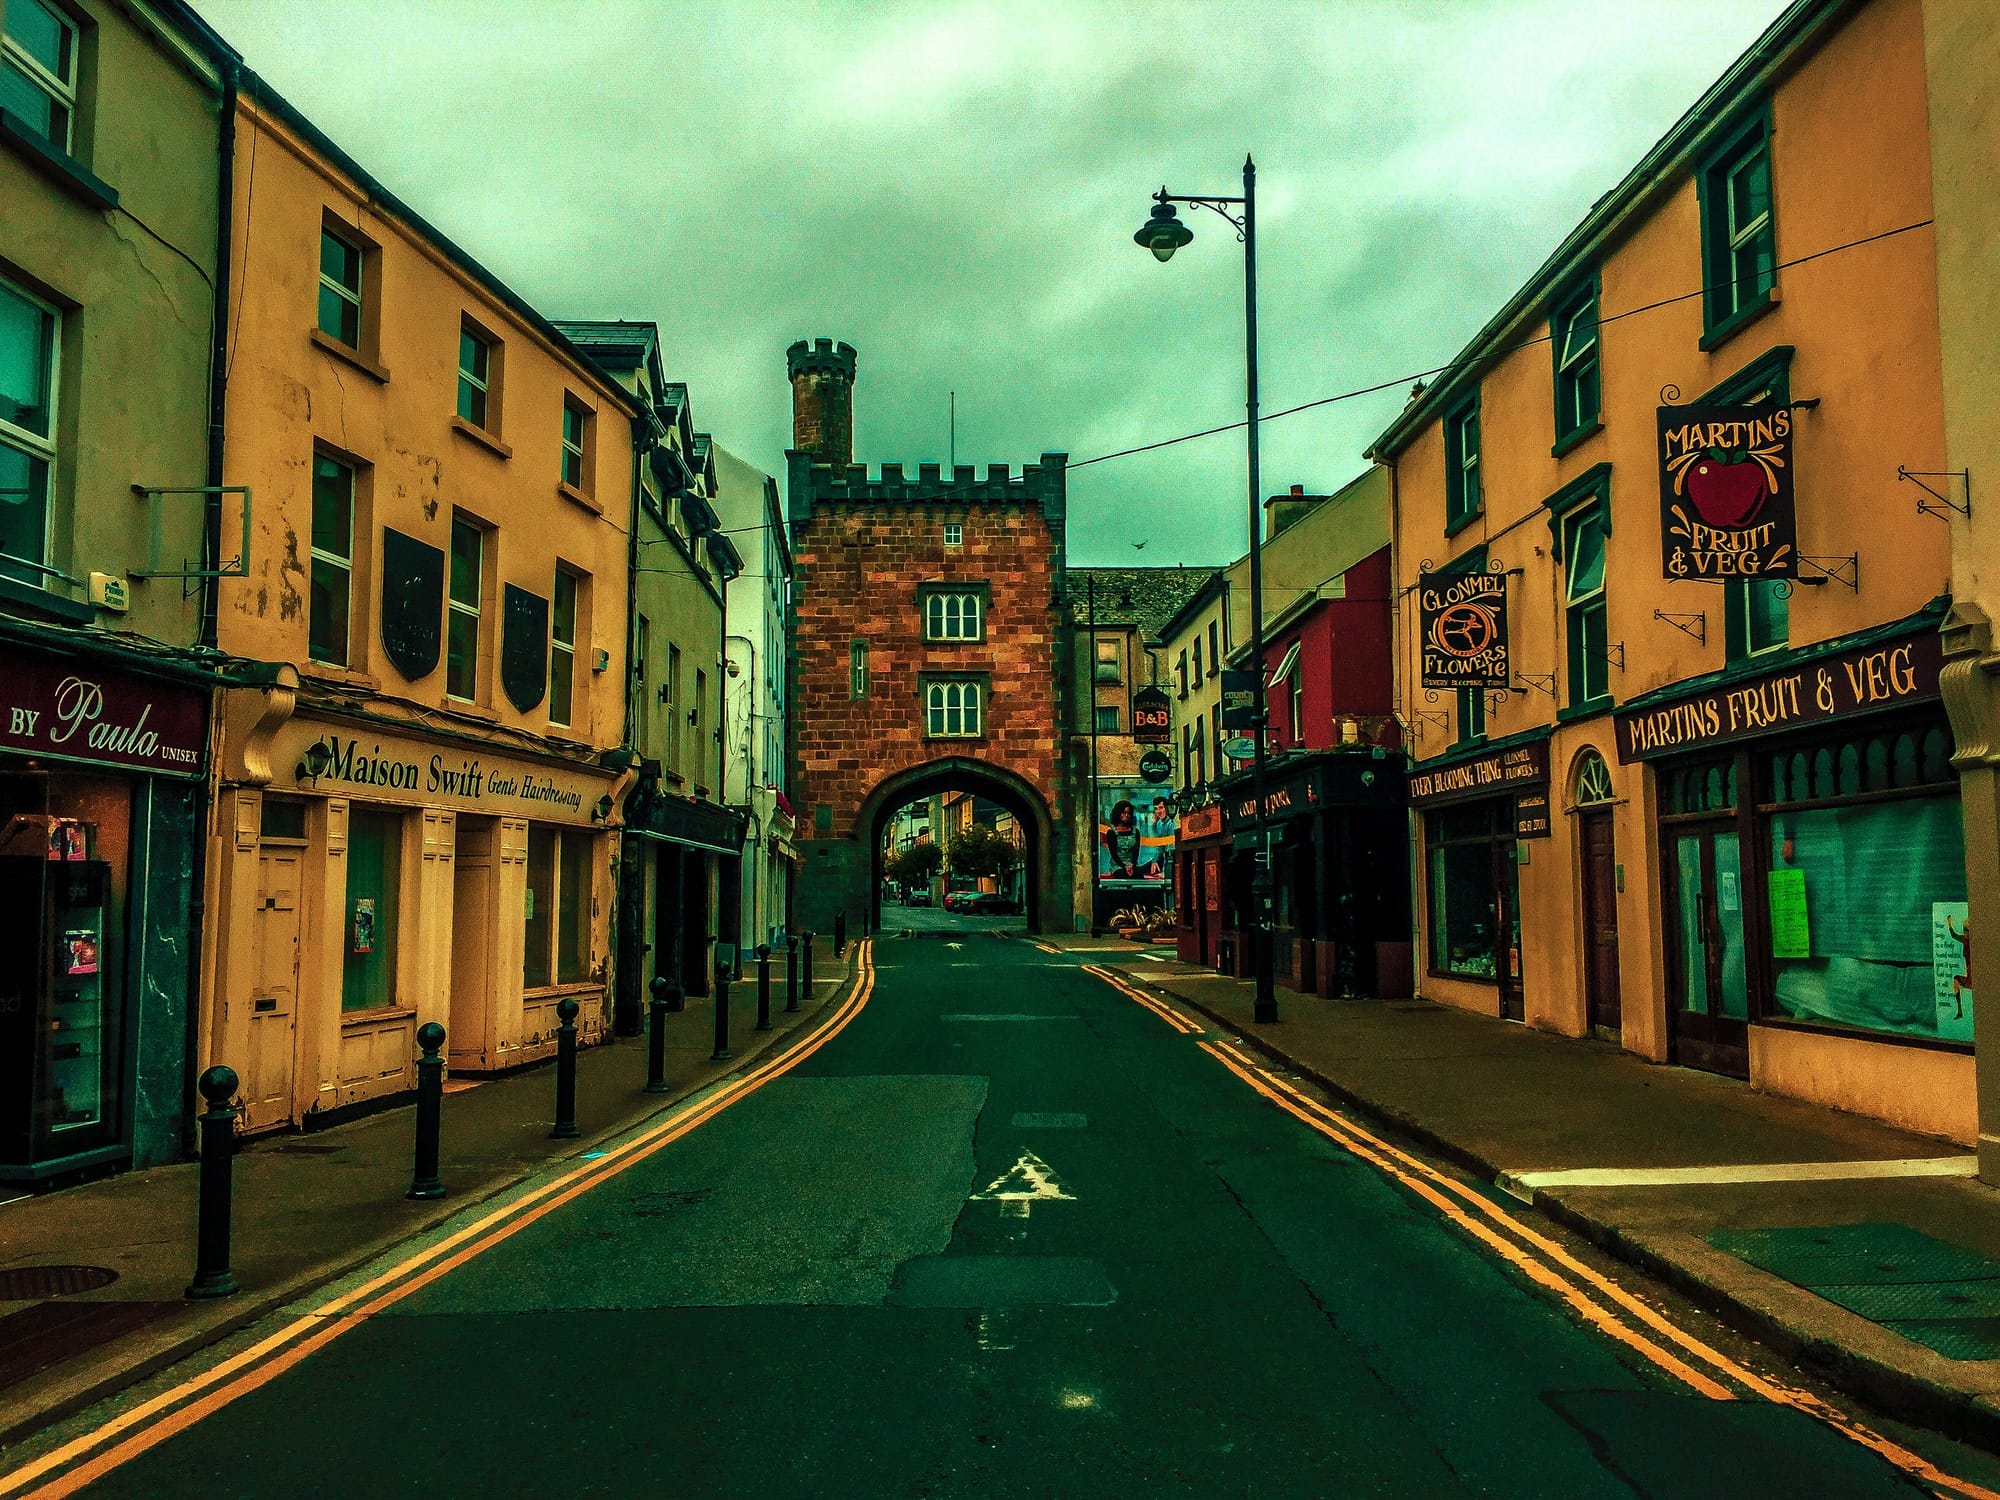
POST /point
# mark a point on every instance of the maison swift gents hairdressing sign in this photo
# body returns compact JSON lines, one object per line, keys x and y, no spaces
{"x":1462,"y":623}
{"x":1726,"y":506}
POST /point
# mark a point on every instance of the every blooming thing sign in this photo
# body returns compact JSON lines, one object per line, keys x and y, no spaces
{"x":1726,"y":492}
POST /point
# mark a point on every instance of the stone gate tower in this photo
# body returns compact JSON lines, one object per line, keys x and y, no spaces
{"x":927,"y":636}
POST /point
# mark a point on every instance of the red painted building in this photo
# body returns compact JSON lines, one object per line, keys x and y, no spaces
{"x":1328,"y":662}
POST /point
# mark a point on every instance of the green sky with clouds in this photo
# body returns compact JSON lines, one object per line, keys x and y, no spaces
{"x":952,"y":188}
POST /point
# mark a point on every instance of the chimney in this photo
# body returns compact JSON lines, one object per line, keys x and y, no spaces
{"x":1281,"y":511}
{"x":822,"y":375}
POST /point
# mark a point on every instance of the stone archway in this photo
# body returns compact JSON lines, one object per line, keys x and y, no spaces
{"x":963,"y":774}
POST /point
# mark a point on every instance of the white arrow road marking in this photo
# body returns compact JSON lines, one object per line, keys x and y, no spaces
{"x":954,"y":946}
{"x":1017,"y":1188}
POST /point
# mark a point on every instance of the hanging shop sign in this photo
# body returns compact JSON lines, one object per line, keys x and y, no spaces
{"x":1462,"y":621}
{"x":68,"y":709}
{"x":338,"y":760}
{"x":1202,"y":823}
{"x":1155,"y":766}
{"x":1152,"y":717}
{"x":1504,"y":770}
{"x":1242,"y":747}
{"x":1239,"y":699}
{"x":1726,"y":506}
{"x":1861,"y":680}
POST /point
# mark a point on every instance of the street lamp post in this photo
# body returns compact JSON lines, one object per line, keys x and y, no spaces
{"x":1163,"y":234}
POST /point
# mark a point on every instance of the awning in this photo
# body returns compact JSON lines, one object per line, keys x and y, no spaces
{"x":684,"y":821}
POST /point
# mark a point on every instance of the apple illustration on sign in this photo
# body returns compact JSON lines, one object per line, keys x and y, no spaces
{"x":1727,"y":493}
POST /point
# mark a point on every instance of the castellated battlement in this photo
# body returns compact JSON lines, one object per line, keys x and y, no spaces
{"x":1042,"y":485}
{"x":820,"y":357}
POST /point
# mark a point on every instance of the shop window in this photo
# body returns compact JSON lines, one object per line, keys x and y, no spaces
{"x":1756,"y":616}
{"x":562,"y":650}
{"x":28,"y":347}
{"x":374,"y":888}
{"x":1699,"y":786}
{"x":559,"y":907}
{"x":1461,"y":464}
{"x":1583,"y":541}
{"x":1466,"y":851}
{"x":467,"y":593}
{"x":38,"y":59}
{"x":332,"y":588}
{"x":1739,"y":236}
{"x":1573,"y":339}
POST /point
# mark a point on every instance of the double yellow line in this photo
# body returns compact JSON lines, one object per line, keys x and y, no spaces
{"x":1598,"y":1300}
{"x":85,"y":1459}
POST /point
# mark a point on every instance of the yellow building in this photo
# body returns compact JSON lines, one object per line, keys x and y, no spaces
{"x":1685,"y":800}
{"x":410,"y":817}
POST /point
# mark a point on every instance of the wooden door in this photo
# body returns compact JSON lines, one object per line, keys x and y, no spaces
{"x":474,"y":999}
{"x":1709,"y":1020}
{"x":1507,"y":915}
{"x":1600,"y":921}
{"x":274,"y":1001}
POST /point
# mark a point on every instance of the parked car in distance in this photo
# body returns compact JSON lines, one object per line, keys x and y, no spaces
{"x":955,"y":900}
{"x":917,"y":898}
{"x":990,"y":904}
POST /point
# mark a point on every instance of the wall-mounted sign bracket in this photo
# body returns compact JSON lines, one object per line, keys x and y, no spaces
{"x":1945,"y":503}
{"x":1614,"y":654}
{"x":1544,"y":682}
{"x":1845,"y":570}
{"x":1496,"y":698}
{"x":1695,"y":624}
{"x":236,"y":567}
{"x":1415,"y":722}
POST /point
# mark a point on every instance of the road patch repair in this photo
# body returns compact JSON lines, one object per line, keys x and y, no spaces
{"x":1940,"y":1295}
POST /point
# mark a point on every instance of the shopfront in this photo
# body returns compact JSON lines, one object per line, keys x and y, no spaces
{"x":1476,"y":811}
{"x":685,"y":895}
{"x":372,"y":879}
{"x":1812,"y":877}
{"x":100,"y":780}
{"x":1200,"y":855}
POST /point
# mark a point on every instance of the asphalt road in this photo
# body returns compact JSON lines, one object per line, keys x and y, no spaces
{"x":1007,"y":1234}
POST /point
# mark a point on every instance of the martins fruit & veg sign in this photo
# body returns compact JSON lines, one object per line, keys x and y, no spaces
{"x":1462,"y":618}
{"x":1726,"y":492}
{"x":1884,"y":675}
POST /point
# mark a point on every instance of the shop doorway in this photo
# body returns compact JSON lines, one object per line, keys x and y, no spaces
{"x":474,"y":1002}
{"x":1600,"y":923}
{"x":1507,"y":915}
{"x":1709,"y":988}
{"x":274,"y":1005}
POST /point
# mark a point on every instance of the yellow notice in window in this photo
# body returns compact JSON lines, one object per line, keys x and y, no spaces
{"x":1791,"y":936}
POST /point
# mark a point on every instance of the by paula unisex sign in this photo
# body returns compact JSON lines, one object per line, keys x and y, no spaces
{"x":70,"y":710}
{"x":1462,"y":621}
{"x":1859,"y":680}
{"x":1152,"y":717}
{"x":1726,"y":506}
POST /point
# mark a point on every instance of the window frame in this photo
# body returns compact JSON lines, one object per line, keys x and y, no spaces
{"x":562,"y":839}
{"x":857,"y":670}
{"x":486,"y":386}
{"x":566,"y":649}
{"x":62,"y":92}
{"x":457,"y":609}
{"x":580,"y":449}
{"x":352,"y":297}
{"x":1102,"y":727}
{"x":935,"y":691}
{"x":937,"y":599}
{"x":43,"y":448}
{"x":954,"y":533}
{"x":1580,"y":609}
{"x":318,"y":556}
{"x":1460,"y":472}
{"x":1572,"y":423}
{"x":1723,"y":309}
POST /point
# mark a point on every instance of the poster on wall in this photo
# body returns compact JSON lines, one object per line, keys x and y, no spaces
{"x":1951,"y":970}
{"x":1791,"y":929}
{"x":79,"y":951}
{"x":1726,"y":493}
{"x":1135,"y":836}
{"x":1462,"y":624}
{"x":364,"y":924}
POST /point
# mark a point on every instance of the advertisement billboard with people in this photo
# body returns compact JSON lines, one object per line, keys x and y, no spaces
{"x":1135,"y":837}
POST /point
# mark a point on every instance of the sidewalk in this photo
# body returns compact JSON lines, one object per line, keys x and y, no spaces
{"x":307,"y":1208}
{"x":1570,"y":1124}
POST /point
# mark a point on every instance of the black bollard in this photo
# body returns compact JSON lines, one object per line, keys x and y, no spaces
{"x":806,"y":967}
{"x":839,"y":933}
{"x":565,"y":1126}
{"x":656,"y":1037}
{"x":722,"y":1052}
{"x":424,"y":1182}
{"x":763,"y":986}
{"x":212,"y":1276}
{"x":791,"y":972}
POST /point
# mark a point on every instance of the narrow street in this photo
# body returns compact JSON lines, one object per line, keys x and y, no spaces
{"x":1007,"y":1233}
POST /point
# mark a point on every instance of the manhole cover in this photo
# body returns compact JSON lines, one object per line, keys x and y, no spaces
{"x":25,"y":1283}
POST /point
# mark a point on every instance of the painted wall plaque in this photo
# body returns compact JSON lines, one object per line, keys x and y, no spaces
{"x":524,"y":647}
{"x":412,"y":603}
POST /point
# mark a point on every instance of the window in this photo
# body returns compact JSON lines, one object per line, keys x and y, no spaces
{"x":1461,"y":464}
{"x":951,"y":708}
{"x":1107,"y":718}
{"x":954,"y":534}
{"x":332,"y":586}
{"x":1197,"y":659}
{"x":673,"y":718}
{"x":1471,"y":866}
{"x":38,"y":69}
{"x":1583,"y":540}
{"x":1180,"y":676}
{"x":475,"y":378}
{"x":1471,"y":715}
{"x":1194,"y":754}
{"x":562,"y":649}
{"x":857,"y":670}
{"x":27,"y":431}
{"x":698,"y":721}
{"x":339,"y":289}
{"x":576,"y":425}
{"x":1573,"y":337}
{"x":461,"y":646}
{"x":374,"y":886}
{"x":1298,"y":704}
{"x":954,"y":617}
{"x":1739,"y":236}
{"x":1756,"y":616}
{"x":1214,"y":651}
{"x":1593,"y":780}
{"x":1107,"y":661}
{"x":558,"y":907}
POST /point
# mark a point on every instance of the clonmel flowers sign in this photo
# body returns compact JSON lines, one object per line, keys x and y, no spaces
{"x":1726,"y":492}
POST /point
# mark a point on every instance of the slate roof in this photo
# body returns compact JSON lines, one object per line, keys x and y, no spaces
{"x":1146,"y":597}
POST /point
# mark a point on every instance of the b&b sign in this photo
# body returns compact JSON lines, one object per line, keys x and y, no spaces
{"x":1462,"y":618}
{"x":1726,"y":492}
{"x":1152,"y":717}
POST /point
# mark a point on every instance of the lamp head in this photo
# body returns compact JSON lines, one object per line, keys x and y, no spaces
{"x":1163,"y":233}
